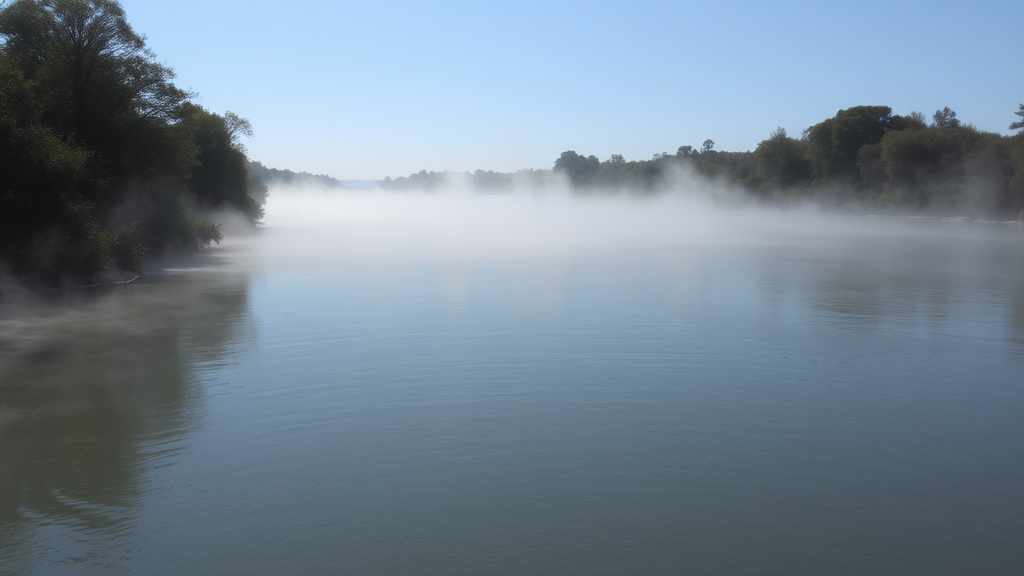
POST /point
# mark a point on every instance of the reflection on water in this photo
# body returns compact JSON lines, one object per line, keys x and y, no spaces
{"x":832,"y":399}
{"x":96,"y":389}
{"x":918,"y":279}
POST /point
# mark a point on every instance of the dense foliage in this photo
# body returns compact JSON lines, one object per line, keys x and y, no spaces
{"x":267,"y":176}
{"x":102,"y":158}
{"x":863,"y":158}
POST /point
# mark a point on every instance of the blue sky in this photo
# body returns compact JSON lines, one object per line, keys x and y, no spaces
{"x":374,"y":89}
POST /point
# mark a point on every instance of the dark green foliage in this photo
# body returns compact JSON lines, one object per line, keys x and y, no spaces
{"x":123,"y":248}
{"x":162,"y":215}
{"x":949,"y":168}
{"x":1019,"y":124}
{"x":101,"y":156}
{"x":913,"y":157}
{"x":833,"y":145}
{"x":206,"y":232}
{"x":45,"y":225}
{"x":97,"y":82}
{"x":617,"y":174}
{"x":899,"y":163}
{"x":913,"y":121}
{"x":782,"y":163}
{"x":220,"y":178}
{"x":988,"y":168}
{"x":578,"y":169}
{"x":865,"y":158}
{"x":261,"y":177}
{"x":872,"y":167}
{"x":945,"y":119}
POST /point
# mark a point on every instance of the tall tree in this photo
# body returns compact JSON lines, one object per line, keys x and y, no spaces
{"x":221,"y":177}
{"x":99,"y":85}
{"x":98,"y":67}
{"x":94,"y":135}
{"x":782,"y":162}
{"x":835,"y":143}
{"x":578,"y":168}
{"x":1019,"y":124}
{"x":945,"y":119}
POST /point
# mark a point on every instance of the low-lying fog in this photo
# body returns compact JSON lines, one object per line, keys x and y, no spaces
{"x":411,"y":382}
{"x":554,"y":221}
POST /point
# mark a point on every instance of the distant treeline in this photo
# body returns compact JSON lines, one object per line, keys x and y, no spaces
{"x":481,"y":181}
{"x":863,"y":158}
{"x":102,"y":158}
{"x":269,"y":176}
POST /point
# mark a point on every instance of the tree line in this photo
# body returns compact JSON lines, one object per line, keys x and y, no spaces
{"x":268,"y":176}
{"x":863,"y":158}
{"x":103,"y":160}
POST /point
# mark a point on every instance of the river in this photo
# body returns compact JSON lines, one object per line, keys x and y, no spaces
{"x":411,"y":384}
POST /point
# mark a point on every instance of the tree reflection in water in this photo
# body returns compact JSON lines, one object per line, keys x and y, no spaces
{"x":928,"y":281}
{"x":97,"y":389}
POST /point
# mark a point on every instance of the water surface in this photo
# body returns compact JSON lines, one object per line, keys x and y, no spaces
{"x":494,"y":391}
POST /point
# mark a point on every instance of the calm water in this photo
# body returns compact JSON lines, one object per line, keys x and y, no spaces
{"x":845,"y":397}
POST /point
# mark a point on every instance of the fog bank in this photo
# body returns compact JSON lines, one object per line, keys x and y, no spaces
{"x":551,"y":220}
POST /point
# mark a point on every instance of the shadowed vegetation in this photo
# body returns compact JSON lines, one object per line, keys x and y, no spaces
{"x":864,"y":158}
{"x":102,"y":158}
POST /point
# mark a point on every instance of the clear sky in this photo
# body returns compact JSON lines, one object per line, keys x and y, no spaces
{"x":374,"y":89}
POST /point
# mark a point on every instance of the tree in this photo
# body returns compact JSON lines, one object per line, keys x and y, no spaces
{"x":44,"y":223}
{"x":236,"y":128}
{"x":709,"y":145}
{"x":782,"y":161}
{"x":1019,"y":124}
{"x":912,"y":121}
{"x":834,"y":145}
{"x":98,"y":84}
{"x":684,"y":151}
{"x":580,"y":170}
{"x":221,"y":176}
{"x":617,"y":159}
{"x":910,"y":157}
{"x":99,"y":149}
{"x":98,"y":68}
{"x":945,"y":119}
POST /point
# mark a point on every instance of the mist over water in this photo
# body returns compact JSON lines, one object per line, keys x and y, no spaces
{"x":553,"y":221}
{"x":529,"y":383}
